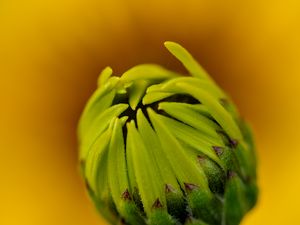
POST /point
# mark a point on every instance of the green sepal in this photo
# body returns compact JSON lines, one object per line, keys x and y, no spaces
{"x":250,"y":145}
{"x":137,"y":200}
{"x":246,"y":160}
{"x":215,"y":174}
{"x":193,"y":221}
{"x":228,"y":157}
{"x":160,"y":217}
{"x":247,"y":134}
{"x":176,"y":204}
{"x":235,"y":200}
{"x":251,"y":193}
{"x":227,"y":103}
{"x":103,"y":207}
{"x":203,"y":206}
{"x":131,"y":213}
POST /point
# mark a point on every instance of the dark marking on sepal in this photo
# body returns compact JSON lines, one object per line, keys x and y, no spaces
{"x":190,"y":187}
{"x":200,"y":158}
{"x":169,"y":188}
{"x":234,"y":143}
{"x":219,"y":150}
{"x":230,"y":174}
{"x":224,"y":102}
{"x":126,"y":195}
{"x":157,"y":204}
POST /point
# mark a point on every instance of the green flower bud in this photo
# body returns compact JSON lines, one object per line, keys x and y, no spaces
{"x":162,"y":148}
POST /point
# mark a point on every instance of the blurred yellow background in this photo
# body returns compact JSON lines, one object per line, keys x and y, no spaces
{"x":51,"y":53}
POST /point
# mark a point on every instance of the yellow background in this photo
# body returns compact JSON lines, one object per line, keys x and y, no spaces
{"x":51,"y":53}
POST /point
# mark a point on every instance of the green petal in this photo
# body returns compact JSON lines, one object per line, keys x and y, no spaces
{"x":191,"y":117}
{"x":186,"y":170}
{"x":174,"y":197}
{"x":147,"y":181}
{"x":186,"y":59}
{"x":136,"y":92}
{"x":155,"y":87}
{"x":130,"y":166}
{"x":104,"y":76}
{"x":215,"y":108}
{"x":150,"y":138}
{"x":99,"y":125}
{"x":152,"y":97}
{"x":204,"y":84}
{"x":100,"y":101}
{"x":118,"y":179}
{"x":117,"y":171}
{"x":147,"y":72}
{"x":97,"y":157}
{"x":193,"y":138}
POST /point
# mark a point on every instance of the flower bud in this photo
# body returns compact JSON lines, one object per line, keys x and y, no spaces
{"x":162,"y":148}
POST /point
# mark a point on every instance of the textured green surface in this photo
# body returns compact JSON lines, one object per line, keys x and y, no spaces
{"x":160,"y":148}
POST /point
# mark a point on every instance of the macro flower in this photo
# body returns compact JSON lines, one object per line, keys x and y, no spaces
{"x":162,"y":148}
